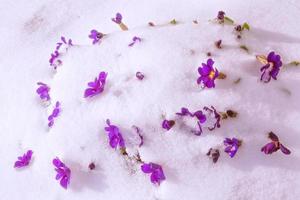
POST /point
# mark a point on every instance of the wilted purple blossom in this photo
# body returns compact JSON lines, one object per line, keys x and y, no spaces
{"x":221,"y":16}
{"x":24,"y":160}
{"x":138,"y":132}
{"x":207,"y":74}
{"x":232,"y":146}
{"x":168,"y":124}
{"x":274,"y":146}
{"x":135,"y":39}
{"x":140,"y":75}
{"x":54,"y":59}
{"x":95,"y":36}
{"x":114,"y":135}
{"x":63,"y":172}
{"x":208,"y":118}
{"x":117,"y":19}
{"x":214,"y":154}
{"x":156,"y":171}
{"x":54,"y":114}
{"x":43,"y":91}
{"x":97,"y":86}
{"x":271,"y":68}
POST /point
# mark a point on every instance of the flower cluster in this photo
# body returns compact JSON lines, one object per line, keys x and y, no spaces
{"x":43,"y":91}
{"x":63,"y":172}
{"x":96,"y":86}
{"x":271,"y":66}
{"x":232,"y":146}
{"x":274,"y":145}
{"x":54,"y":114}
{"x":54,"y":59}
{"x":118,"y":20}
{"x":95,"y":36}
{"x":207,"y":74}
{"x":114,"y":135}
{"x":156,"y":171}
{"x":208,"y":118}
{"x":24,"y":160}
{"x":135,"y":39}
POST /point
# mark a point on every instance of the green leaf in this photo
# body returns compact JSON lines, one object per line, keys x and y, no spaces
{"x":295,"y":62}
{"x":228,"y":20}
{"x":173,"y":22}
{"x":246,"y":26}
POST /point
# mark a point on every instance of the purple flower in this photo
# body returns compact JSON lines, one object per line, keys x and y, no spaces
{"x":274,"y":146}
{"x":95,"y":36}
{"x":117,"y":19}
{"x":139,"y":75}
{"x":97,"y":86}
{"x":232,"y":146}
{"x":43,"y":91}
{"x":271,"y":68}
{"x":134,"y":40}
{"x":24,"y":160}
{"x":168,"y":124}
{"x":157,"y":174}
{"x":54,"y":114}
{"x":54,"y":61}
{"x":114,"y":135}
{"x":64,"y":41}
{"x":63,"y":173}
{"x":207,"y":74}
{"x":214,"y":117}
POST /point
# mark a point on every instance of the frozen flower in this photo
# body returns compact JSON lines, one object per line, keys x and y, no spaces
{"x":208,"y":118}
{"x":63,"y":172}
{"x":271,"y":67}
{"x":95,"y":36}
{"x":274,"y":146}
{"x":54,"y":61}
{"x":157,"y":174}
{"x":134,"y":40}
{"x":140,"y":76}
{"x":207,"y":74}
{"x":114,"y":135}
{"x":118,"y":20}
{"x":24,"y":160}
{"x":138,"y":132}
{"x":214,"y":154}
{"x":221,"y":15}
{"x":97,"y":86}
{"x":168,"y":124}
{"x":232,"y":146}
{"x":54,"y":114}
{"x":43,"y":91}
{"x":218,"y":44}
{"x":92,"y":166}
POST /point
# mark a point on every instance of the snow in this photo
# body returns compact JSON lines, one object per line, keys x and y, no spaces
{"x":168,"y":56}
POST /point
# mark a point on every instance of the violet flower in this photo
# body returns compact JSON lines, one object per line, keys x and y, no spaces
{"x":157,"y":174}
{"x":95,"y":36}
{"x":232,"y":146}
{"x":43,"y":91}
{"x":213,"y":116}
{"x":23,"y":160}
{"x":140,"y":76}
{"x":274,"y":146}
{"x":207,"y":74}
{"x":97,"y":86}
{"x":54,"y":114}
{"x":168,"y":124}
{"x":114,"y":135}
{"x":135,"y":39}
{"x":54,"y":61}
{"x":63,"y":172}
{"x":118,"y":20}
{"x":271,"y":67}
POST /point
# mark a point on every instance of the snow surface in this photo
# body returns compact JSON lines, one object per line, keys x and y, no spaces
{"x":169,"y":57}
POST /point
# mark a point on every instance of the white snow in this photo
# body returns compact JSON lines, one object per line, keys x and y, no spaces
{"x":169,"y":56}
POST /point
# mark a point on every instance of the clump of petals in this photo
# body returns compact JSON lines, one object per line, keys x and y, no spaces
{"x":24,"y":160}
{"x":274,"y":145}
{"x":156,"y":171}
{"x":63,"y":173}
{"x":96,"y":86}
